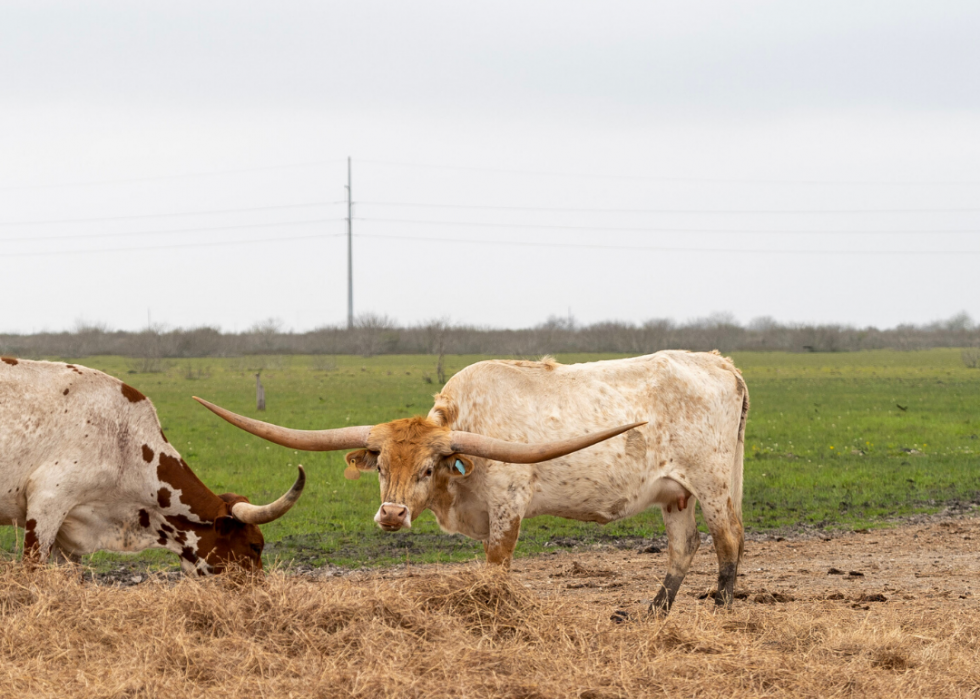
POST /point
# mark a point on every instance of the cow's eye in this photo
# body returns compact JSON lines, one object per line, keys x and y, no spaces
{"x":257,"y":548}
{"x":428,"y":472}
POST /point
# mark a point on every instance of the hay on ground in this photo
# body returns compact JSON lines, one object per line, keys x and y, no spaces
{"x":468,"y":632}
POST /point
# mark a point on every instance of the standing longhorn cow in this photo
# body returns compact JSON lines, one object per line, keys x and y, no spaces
{"x":476,"y":460}
{"x":84,"y":466}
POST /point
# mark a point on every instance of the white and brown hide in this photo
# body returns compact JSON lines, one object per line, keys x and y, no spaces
{"x":85,"y":466}
{"x":691,"y":449}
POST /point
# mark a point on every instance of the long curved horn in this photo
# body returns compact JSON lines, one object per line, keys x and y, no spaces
{"x":516,"y":453}
{"x":261,"y":514}
{"x":307,"y":440}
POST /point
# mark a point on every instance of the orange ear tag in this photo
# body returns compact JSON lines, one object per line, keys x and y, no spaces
{"x":351,"y":473}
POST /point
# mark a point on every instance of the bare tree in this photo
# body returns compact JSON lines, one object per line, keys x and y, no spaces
{"x":259,"y":393}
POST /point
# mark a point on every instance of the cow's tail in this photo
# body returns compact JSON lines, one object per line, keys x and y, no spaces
{"x":736,"y":485}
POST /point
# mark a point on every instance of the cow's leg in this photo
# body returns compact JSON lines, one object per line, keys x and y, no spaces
{"x":46,"y":511}
{"x":683,"y":541}
{"x":40,"y":531}
{"x":503,"y":538}
{"x":729,"y":540}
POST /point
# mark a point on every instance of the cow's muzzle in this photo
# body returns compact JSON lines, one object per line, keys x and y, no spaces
{"x":391,"y":516}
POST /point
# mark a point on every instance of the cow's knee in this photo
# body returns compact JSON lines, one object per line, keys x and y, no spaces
{"x":38,"y":541}
{"x":683,"y":540}
{"x":503,"y":538}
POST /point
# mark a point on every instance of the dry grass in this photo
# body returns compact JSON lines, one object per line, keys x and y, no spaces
{"x":463,"y":633}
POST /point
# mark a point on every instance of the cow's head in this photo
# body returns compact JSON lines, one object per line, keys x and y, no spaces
{"x":415,"y":458}
{"x":232,"y":537}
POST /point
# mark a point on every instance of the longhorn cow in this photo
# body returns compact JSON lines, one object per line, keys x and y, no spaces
{"x":485,"y":457}
{"x":84,"y":466}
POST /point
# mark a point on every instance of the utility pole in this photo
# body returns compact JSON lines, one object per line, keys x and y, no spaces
{"x":350,"y":253}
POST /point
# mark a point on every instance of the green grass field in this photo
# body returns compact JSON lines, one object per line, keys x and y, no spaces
{"x":827,"y":445}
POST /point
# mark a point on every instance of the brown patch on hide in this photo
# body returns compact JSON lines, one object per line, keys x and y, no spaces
{"x":73,"y":368}
{"x":147,"y":453}
{"x":202,"y":503}
{"x":163,"y":497}
{"x":32,"y":545}
{"x":144,"y":519}
{"x":132,"y":395}
{"x":9,"y":360}
{"x":65,"y":392}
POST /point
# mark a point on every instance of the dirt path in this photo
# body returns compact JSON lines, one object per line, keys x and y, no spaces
{"x":928,"y":565}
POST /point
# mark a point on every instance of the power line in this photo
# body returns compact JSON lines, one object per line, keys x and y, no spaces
{"x":638,"y":229}
{"x":86,"y":236}
{"x":168,"y":215}
{"x":647,"y":248}
{"x":154,"y":178}
{"x":646,"y":178}
{"x":663,"y":211}
{"x":174,"y":246}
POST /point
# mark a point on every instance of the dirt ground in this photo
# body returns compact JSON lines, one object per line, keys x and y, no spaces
{"x":930,"y":564}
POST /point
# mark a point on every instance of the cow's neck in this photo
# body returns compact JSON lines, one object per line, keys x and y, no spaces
{"x":175,"y":475}
{"x":459,"y":511}
{"x":441,"y":503}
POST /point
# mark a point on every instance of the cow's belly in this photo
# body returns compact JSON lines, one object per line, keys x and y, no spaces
{"x":97,"y":527}
{"x":592,"y":501}
{"x":11,"y":510}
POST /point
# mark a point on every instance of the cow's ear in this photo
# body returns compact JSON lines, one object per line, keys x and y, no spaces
{"x":357,"y":461}
{"x":224,"y":525}
{"x":459,"y":465}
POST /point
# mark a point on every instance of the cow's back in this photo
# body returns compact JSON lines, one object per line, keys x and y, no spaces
{"x":530,"y":401}
{"x":81,"y":418}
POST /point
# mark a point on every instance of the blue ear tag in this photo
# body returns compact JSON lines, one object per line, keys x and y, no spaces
{"x":459,"y":467}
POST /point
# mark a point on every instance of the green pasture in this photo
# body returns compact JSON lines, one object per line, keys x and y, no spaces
{"x":833,"y":440}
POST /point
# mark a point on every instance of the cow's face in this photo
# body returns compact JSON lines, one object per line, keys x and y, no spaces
{"x":237,"y":544}
{"x":225,"y":543}
{"x":415,"y":464}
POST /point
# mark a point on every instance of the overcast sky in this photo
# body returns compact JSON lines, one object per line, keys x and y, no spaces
{"x":809,"y":161}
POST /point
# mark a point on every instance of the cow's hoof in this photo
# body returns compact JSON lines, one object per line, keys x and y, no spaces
{"x":723,"y":603}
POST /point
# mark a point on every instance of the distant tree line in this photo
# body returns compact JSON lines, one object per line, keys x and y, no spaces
{"x":373,"y":334}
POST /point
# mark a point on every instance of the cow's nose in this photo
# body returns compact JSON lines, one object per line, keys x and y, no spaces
{"x":393,"y":511}
{"x":392,"y":516}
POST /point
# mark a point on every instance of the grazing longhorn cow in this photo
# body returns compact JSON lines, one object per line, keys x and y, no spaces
{"x":476,"y":460}
{"x":85,"y":466}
